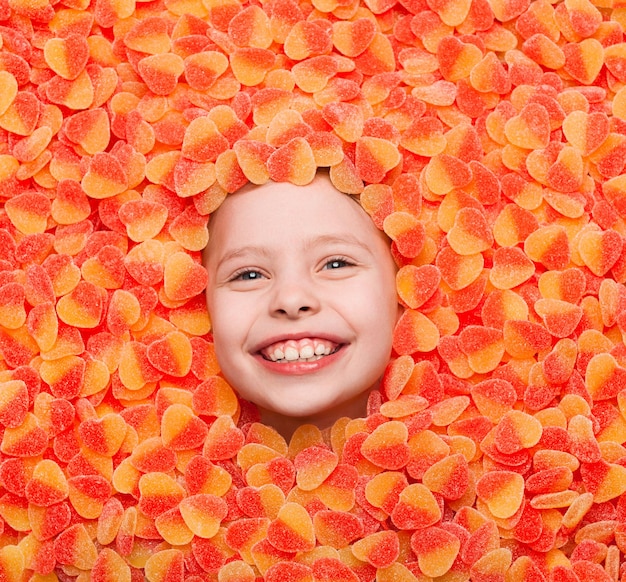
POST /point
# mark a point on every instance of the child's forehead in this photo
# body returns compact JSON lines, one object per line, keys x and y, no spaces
{"x":314,"y":211}
{"x":311,"y":204}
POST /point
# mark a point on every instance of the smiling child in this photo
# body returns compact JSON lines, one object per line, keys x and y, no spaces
{"x":302,"y":300}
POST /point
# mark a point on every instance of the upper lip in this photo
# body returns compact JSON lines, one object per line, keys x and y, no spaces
{"x":297,"y":336}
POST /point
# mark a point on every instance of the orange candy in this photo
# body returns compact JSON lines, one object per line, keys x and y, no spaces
{"x":485,"y":139}
{"x":292,"y":530}
{"x":436,"y":550}
{"x":379,"y":549}
{"x":502,"y":491}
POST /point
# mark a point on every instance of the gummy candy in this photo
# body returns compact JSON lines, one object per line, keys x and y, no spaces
{"x":486,"y":139}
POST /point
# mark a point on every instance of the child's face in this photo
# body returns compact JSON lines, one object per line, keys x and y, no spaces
{"x":302,"y":300}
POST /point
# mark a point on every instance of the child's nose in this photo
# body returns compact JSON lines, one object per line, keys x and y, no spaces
{"x":294,"y":300}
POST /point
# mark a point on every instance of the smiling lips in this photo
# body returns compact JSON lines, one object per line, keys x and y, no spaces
{"x":302,"y":350}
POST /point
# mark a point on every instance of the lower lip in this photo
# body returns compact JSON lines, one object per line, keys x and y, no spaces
{"x":301,"y":368}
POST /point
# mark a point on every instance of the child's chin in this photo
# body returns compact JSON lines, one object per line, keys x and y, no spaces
{"x":319,"y":404}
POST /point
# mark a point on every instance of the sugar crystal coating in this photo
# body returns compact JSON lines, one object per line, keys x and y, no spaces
{"x":486,"y":139}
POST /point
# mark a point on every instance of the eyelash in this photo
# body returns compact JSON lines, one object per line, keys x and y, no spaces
{"x":346,"y":263}
{"x":238,"y":276}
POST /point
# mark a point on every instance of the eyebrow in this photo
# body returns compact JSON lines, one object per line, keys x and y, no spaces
{"x":321,"y":240}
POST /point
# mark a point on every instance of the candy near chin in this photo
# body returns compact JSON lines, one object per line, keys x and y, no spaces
{"x":485,"y":138}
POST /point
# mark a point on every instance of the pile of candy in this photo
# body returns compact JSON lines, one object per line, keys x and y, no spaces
{"x":487,"y":138}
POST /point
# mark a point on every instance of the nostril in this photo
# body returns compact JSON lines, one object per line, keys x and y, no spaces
{"x":293,"y":311}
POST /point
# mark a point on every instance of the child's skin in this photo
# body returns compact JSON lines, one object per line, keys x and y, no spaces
{"x":299,"y":268}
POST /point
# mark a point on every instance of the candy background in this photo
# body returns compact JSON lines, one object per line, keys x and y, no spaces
{"x":486,"y":138}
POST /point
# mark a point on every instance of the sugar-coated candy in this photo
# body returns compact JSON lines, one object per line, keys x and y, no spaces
{"x":151,"y":456}
{"x":485,"y":139}
{"x":337,"y":529}
{"x":159,"y":492}
{"x":417,"y":508}
{"x":224,"y":440}
{"x":47,"y":485}
{"x":379,"y":549}
{"x":88,"y":493}
{"x":516,"y":431}
{"x":293,"y":162}
{"x":327,"y":569}
{"x":29,"y":212}
{"x":165,"y":565}
{"x":502,"y":491}
{"x":290,"y":570}
{"x":415,"y":333}
{"x":181,"y":429}
{"x":387,"y":446}
{"x":436,"y":550}
{"x":492,"y":565}
{"x":337,"y":492}
{"x":214,"y":397}
{"x":109,"y":566}
{"x":417,"y":284}
{"x":264,"y":501}
{"x":313,"y":466}
{"x":449,"y":477}
{"x":26,"y":440}
{"x":236,"y":570}
{"x":104,"y":435}
{"x":12,"y":561}
{"x":292,"y":530}
{"x":14,"y":403}
{"x":530,"y":129}
{"x":74,"y":547}
{"x":203,"y":513}
{"x":21,"y":115}
{"x":352,"y":38}
{"x":383,"y":490}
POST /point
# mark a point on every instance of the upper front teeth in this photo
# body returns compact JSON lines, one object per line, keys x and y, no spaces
{"x":320,"y":350}
{"x":307,"y":352}
{"x":305,"y":349}
{"x":291,"y":354}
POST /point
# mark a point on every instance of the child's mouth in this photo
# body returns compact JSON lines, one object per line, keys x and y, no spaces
{"x":301,"y":350}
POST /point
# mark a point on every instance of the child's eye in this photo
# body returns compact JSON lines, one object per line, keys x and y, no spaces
{"x":338,"y":263}
{"x":247,"y":275}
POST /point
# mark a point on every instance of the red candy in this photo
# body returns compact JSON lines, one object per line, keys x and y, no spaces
{"x":485,"y":139}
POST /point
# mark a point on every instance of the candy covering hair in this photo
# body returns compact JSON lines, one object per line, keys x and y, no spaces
{"x":485,"y":137}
